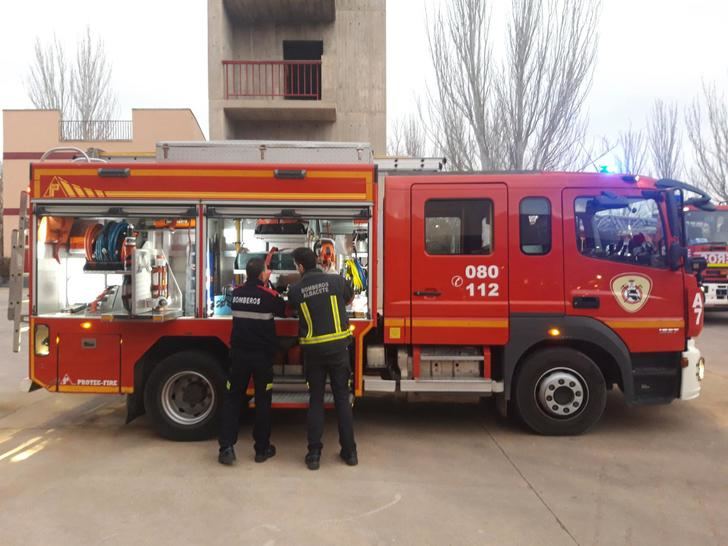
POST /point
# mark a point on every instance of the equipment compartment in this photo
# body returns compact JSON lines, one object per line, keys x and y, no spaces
{"x":338,"y":236}
{"x":120,"y":263}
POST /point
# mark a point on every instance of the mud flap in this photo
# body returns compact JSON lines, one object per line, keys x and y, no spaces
{"x":134,"y":407}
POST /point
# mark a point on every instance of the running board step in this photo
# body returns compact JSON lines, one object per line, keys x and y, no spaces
{"x":293,"y":400}
{"x":282,"y":386}
{"x":450,"y":385}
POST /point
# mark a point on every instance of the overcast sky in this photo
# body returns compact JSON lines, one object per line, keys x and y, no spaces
{"x":158,"y":48}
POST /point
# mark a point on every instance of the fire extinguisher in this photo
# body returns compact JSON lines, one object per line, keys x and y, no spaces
{"x":163,"y":292}
{"x":159,"y":277}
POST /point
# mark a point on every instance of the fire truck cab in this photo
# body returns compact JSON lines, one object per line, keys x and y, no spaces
{"x":543,"y":289}
{"x":707,"y":235}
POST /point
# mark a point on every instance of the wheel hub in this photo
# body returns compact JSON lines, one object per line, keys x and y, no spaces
{"x":561,"y":392}
{"x":188,"y":398}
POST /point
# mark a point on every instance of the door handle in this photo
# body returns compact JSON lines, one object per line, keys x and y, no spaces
{"x":430,"y":293}
{"x":586,"y":302}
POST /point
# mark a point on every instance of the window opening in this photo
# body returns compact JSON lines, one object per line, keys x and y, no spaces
{"x":535,"y":225}
{"x":123,"y":266}
{"x":621,"y":229}
{"x":707,"y":227}
{"x":459,"y":226}
{"x":303,"y":80}
{"x":341,"y":245}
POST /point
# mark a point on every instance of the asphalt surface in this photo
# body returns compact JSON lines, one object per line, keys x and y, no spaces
{"x":71,"y":472}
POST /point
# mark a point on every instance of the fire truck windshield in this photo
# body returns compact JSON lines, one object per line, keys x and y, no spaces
{"x":704,"y":227}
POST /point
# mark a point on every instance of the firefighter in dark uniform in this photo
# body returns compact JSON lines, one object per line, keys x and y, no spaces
{"x":253,"y":343}
{"x":321,"y":300}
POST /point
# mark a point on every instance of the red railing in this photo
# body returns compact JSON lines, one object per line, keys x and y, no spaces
{"x":288,"y":79}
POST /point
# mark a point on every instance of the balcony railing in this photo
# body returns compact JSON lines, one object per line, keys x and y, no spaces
{"x":95,"y":130}
{"x":287,"y":79}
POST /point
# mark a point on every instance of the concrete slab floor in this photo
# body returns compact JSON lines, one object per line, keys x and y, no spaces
{"x":71,"y":472}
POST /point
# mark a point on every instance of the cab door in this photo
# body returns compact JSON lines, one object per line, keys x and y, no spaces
{"x":616,"y":267}
{"x":459,"y":282}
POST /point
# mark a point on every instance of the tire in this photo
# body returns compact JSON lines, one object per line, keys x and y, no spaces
{"x":559,"y":392}
{"x":183,"y":396}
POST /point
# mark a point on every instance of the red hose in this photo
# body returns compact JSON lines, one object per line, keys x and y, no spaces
{"x":89,"y":240}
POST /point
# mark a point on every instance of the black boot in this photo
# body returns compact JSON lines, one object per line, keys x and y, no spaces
{"x":267,"y":453}
{"x":313,"y":460}
{"x":226,"y":456}
{"x":349,"y":458}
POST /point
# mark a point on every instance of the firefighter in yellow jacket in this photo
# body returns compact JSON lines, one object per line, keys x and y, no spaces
{"x":324,"y":335}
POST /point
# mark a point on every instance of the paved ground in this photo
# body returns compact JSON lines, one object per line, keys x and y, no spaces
{"x":72,"y":473}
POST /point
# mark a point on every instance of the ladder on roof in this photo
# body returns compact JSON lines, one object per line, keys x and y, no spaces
{"x":390,"y":165}
{"x":17,"y":297}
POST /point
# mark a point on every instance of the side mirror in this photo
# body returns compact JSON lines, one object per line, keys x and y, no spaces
{"x":696,"y":265}
{"x":675,"y":256}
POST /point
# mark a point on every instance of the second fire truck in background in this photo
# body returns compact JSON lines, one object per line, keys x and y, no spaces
{"x":707,"y":234}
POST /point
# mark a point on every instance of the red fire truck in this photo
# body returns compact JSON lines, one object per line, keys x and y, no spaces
{"x":543,"y":289}
{"x":707,"y":234}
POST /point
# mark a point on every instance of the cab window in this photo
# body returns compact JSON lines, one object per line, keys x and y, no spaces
{"x":459,"y":226}
{"x":621,"y":229}
{"x":535,"y":225}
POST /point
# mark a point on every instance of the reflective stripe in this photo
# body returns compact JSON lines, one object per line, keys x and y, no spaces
{"x":335,"y":312}
{"x":253,"y":315}
{"x":269,"y":387}
{"x":307,"y":318}
{"x":325,"y":338}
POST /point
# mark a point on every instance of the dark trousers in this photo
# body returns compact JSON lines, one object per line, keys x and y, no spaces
{"x":336,"y":366}
{"x":242,"y":365}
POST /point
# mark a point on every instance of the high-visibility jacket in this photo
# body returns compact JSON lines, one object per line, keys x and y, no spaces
{"x":254,"y":307}
{"x":321,"y":299}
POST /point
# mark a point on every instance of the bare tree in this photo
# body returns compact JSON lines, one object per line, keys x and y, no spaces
{"x":408,"y":138}
{"x":81,"y":91}
{"x":461,"y":125}
{"x":48,"y":79}
{"x":707,"y":124}
{"x":545,"y":81}
{"x":91,"y":94}
{"x":525,"y":112}
{"x":632,"y":151}
{"x":663,"y":139}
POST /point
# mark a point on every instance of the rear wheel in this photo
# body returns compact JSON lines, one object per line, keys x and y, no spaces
{"x":183,"y":396}
{"x":559,"y":391}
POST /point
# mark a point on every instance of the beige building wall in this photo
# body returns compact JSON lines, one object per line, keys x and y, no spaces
{"x":27,"y":134}
{"x":353,"y":71}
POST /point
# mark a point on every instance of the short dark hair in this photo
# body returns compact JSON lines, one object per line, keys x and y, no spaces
{"x":254,"y":268}
{"x":305,"y":257}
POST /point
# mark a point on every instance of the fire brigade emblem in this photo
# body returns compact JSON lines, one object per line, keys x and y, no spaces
{"x":56,"y":186}
{"x":631,"y":291}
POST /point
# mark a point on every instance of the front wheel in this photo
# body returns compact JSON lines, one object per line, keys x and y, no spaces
{"x":183,"y":396}
{"x":560,"y":391}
